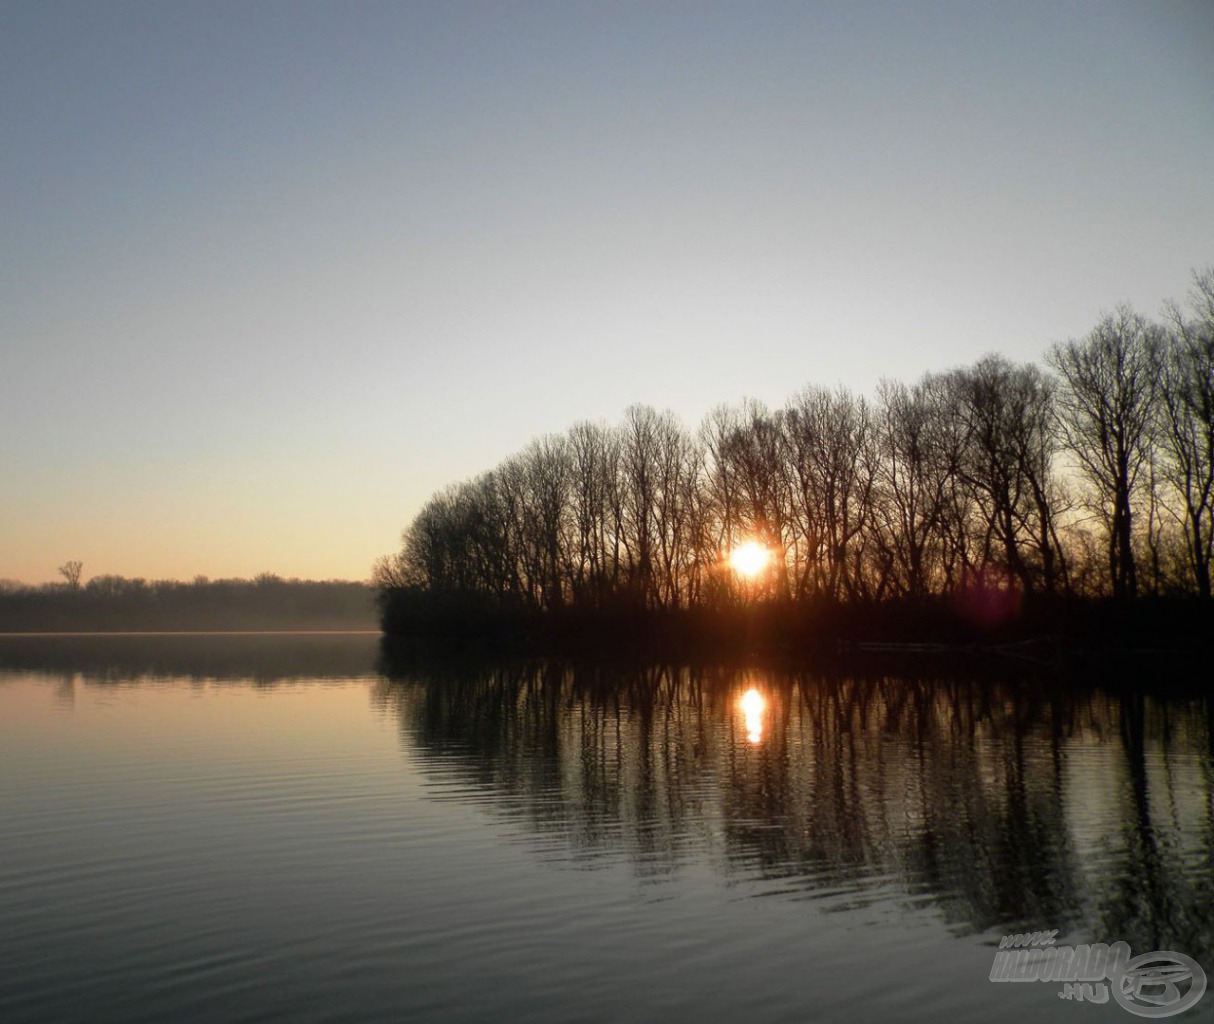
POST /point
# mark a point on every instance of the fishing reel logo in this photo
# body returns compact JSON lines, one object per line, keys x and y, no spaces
{"x":1160,"y":984}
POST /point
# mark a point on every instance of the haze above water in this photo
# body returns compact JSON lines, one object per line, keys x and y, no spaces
{"x":297,"y":829}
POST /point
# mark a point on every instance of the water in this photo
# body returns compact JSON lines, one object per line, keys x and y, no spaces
{"x":254,"y":828}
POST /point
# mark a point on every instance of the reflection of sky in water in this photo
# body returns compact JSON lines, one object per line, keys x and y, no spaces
{"x":996,"y":802}
{"x":505,"y":843}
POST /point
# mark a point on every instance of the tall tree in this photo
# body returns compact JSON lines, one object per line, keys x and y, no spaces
{"x":70,"y":571}
{"x":1007,"y":461}
{"x":1109,"y":385}
{"x":912,"y":486}
{"x":832,"y":473}
{"x":1186,"y":407}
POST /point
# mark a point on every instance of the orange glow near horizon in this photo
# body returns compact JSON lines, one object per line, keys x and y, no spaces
{"x":748,"y":560}
{"x":753,"y":705}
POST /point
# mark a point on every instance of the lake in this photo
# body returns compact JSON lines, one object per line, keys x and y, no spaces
{"x":299,"y":828}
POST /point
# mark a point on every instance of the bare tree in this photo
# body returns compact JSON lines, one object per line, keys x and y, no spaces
{"x":548,"y":474}
{"x":594,"y":451}
{"x":388,"y":572}
{"x":1186,"y":407}
{"x":722,"y":484}
{"x":70,"y":571}
{"x":828,"y":434}
{"x":1006,"y":460}
{"x":1106,"y":405}
{"x":639,"y":482}
{"x":759,"y":454}
{"x":912,"y":485}
{"x":678,"y":465}
{"x":659,"y":480}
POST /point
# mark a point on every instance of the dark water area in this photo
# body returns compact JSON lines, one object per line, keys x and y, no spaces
{"x":300,"y":828}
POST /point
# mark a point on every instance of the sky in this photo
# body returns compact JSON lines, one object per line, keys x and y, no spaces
{"x":271,"y":274}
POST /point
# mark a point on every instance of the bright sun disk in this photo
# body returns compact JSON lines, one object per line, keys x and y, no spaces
{"x":749,"y":559}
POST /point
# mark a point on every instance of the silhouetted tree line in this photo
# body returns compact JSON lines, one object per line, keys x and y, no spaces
{"x":119,"y":603}
{"x":1090,"y":477}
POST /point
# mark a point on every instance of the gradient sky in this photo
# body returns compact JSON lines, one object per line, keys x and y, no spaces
{"x":272,"y":273}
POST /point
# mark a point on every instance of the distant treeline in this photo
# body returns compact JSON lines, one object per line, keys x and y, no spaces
{"x":990,"y":487}
{"x":108,"y":603}
{"x":266,"y":659}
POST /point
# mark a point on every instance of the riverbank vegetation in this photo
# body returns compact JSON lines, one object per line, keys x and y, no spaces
{"x":998,"y":496}
{"x":111,"y":603}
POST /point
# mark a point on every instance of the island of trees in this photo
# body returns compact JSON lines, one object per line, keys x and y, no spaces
{"x":993,"y":500}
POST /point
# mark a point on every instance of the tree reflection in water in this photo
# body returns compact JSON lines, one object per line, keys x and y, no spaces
{"x":1008,"y":804}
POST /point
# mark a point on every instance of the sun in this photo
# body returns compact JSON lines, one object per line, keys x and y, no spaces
{"x":749,"y":559}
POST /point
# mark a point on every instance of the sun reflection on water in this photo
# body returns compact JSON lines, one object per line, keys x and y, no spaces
{"x":753,"y":705}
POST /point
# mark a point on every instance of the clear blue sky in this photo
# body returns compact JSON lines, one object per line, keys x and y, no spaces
{"x":274,"y":272}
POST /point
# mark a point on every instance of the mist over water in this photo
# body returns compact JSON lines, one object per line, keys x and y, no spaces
{"x":304,"y":829}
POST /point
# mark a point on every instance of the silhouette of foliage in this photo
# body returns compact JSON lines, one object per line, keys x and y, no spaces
{"x":108,"y":603}
{"x":990,"y":493}
{"x":70,"y":571}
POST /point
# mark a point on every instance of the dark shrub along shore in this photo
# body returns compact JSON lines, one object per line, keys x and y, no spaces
{"x":1040,"y":627}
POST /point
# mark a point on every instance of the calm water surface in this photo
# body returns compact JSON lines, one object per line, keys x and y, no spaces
{"x":294,"y":829}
